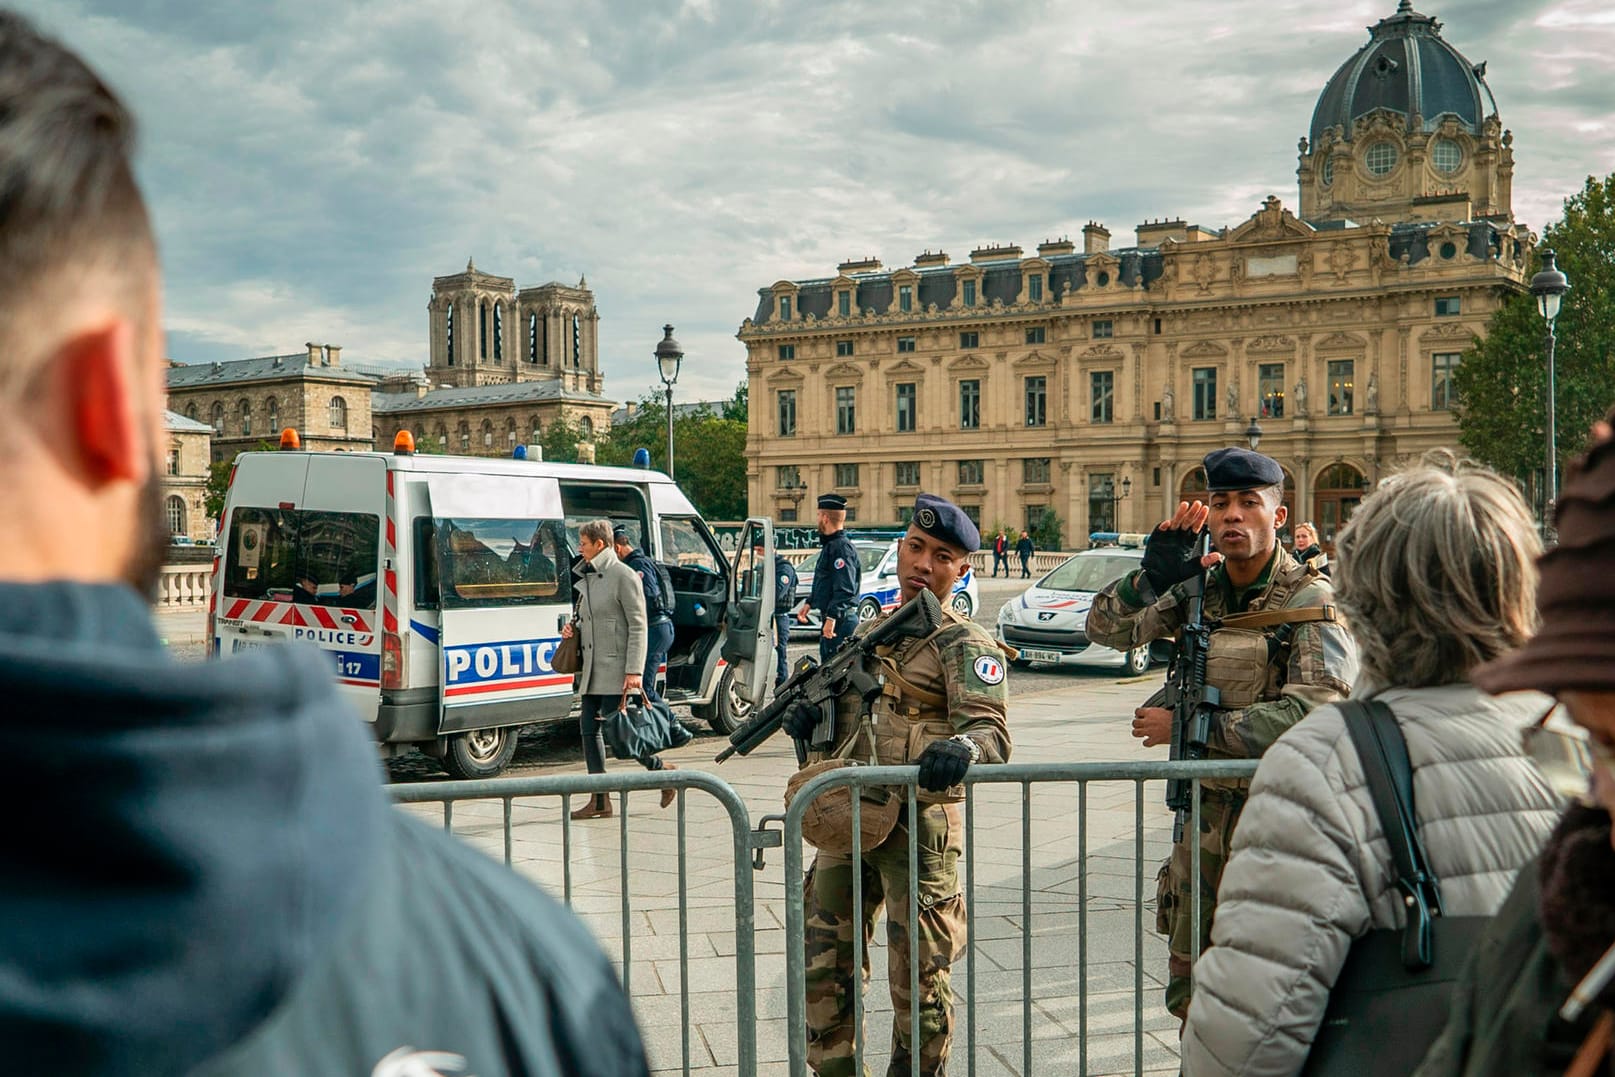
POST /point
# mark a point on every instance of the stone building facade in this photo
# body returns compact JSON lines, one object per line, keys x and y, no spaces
{"x":247,"y":402}
{"x":184,"y":481}
{"x":485,"y":420}
{"x":1091,"y":381}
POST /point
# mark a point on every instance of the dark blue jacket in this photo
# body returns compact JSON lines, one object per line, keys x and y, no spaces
{"x":657,"y":604}
{"x":836,"y":578}
{"x":785,"y":584}
{"x":210,"y":879}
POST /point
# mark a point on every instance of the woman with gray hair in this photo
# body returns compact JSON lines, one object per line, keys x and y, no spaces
{"x":1435,"y":573}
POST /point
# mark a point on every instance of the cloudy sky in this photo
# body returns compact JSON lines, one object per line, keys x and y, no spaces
{"x":312,"y":165}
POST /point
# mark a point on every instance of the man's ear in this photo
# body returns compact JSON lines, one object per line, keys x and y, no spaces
{"x":98,"y":383}
{"x":1280,"y":514}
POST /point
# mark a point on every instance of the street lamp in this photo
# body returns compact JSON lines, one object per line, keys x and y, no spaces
{"x":1253,"y":433}
{"x":668,"y":357}
{"x":1105,"y":487}
{"x":1549,"y":286}
{"x":794,"y":492}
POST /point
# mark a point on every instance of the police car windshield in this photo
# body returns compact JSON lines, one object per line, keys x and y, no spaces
{"x":869,"y":558}
{"x":1084,"y":573}
{"x":297,"y":555}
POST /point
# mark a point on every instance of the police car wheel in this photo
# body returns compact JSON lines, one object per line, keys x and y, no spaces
{"x":1136,"y":661}
{"x":868,"y":610}
{"x":961,"y":604}
{"x":481,"y":753}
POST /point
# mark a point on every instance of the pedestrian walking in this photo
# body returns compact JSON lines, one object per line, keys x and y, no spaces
{"x":1436,"y":578}
{"x":1024,"y":549}
{"x":214,"y":880}
{"x":1270,"y":671}
{"x":836,"y":579}
{"x":1536,"y":998}
{"x":656,"y":585}
{"x":1000,"y":554}
{"x":944,"y":707}
{"x":612,"y":624}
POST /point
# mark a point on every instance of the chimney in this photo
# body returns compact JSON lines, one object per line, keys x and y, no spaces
{"x":921,"y":261}
{"x":995,"y":253}
{"x":313,"y":353}
{"x":1151,"y":233}
{"x":333,"y":355}
{"x":1095,"y":238}
{"x":280,"y":361}
{"x":859,"y":265}
{"x":1055,"y":246}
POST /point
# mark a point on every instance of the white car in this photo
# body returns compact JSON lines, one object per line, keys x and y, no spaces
{"x":1049,"y":621}
{"x":878,"y":591}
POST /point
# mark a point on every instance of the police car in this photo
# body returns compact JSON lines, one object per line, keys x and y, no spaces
{"x":1049,"y":621}
{"x":437,"y":586}
{"x":878,"y":591}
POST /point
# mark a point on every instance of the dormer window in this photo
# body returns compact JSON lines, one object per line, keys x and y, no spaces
{"x":1380,"y":158}
{"x":1034,"y":288}
{"x":968,"y":293}
{"x":844,"y":303}
{"x":905,"y":298}
{"x":1446,"y":156}
{"x":784,"y":308}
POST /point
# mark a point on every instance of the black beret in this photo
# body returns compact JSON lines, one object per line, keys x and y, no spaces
{"x":1241,"y":469}
{"x":942,"y":519}
{"x":832,"y":501}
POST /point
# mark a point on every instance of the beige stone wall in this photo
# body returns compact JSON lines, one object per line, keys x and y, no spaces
{"x":1271,"y":292}
{"x":189,"y":452}
{"x":254,"y":413}
{"x":493,"y":430}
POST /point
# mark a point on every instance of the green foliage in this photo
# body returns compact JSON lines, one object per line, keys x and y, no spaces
{"x":738,"y":406}
{"x":1048,"y":533}
{"x":218,"y":485}
{"x":428,"y":446}
{"x":1502,"y":380}
{"x":709,"y":451}
{"x":560,"y":441}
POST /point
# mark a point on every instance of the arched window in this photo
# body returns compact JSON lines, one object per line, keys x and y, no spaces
{"x":537,"y":428}
{"x":375,"y":435}
{"x":586,"y":426}
{"x":218,"y":417}
{"x":577,"y":341}
{"x":442,"y":437}
{"x":339,"y":413}
{"x":482,"y":330}
{"x":510,"y":441}
{"x":246,"y":417}
{"x":191,"y":412}
{"x":1340,"y":488}
{"x":487,"y":434}
{"x":499,"y":332}
{"x":465,"y":436}
{"x":273,"y":411}
{"x":173,"y":458}
{"x":1194,"y":485}
{"x":532,"y":338}
{"x":176,"y":515}
{"x":448,"y":332}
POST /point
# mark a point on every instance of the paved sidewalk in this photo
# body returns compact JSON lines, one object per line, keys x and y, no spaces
{"x":1084,"y":721}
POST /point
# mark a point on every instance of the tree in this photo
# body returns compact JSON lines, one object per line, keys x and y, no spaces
{"x":709,"y":450}
{"x":560,"y":441}
{"x":1048,"y":532}
{"x":218,"y":486}
{"x":1502,"y":380}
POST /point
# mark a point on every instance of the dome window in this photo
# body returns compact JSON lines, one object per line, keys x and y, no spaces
{"x":1380,"y":158}
{"x":1447,"y":156}
{"x":1328,"y":172}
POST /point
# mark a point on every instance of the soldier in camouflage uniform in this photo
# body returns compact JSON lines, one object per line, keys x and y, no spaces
{"x":1277,"y":651}
{"x":943,"y":706}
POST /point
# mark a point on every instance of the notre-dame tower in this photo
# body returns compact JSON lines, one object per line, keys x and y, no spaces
{"x":485,"y":332}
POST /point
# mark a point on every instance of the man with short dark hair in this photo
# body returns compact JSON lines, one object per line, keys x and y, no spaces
{"x":220,"y":884}
{"x":1025,"y":549}
{"x":1291,"y":656}
{"x":836,"y":578}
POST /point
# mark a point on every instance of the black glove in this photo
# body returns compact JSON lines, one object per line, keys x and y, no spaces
{"x":943,"y":763}
{"x":1169,"y":557}
{"x":800,"y":718}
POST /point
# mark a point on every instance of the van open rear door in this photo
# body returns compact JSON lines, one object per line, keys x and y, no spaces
{"x":748,"y":642}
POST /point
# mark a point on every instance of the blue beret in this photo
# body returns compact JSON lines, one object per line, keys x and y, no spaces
{"x":1241,"y":469}
{"x":942,"y":519}
{"x":832,"y":501}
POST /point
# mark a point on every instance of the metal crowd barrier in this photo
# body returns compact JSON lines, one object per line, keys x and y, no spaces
{"x":1025,"y":776}
{"x":580,"y":787}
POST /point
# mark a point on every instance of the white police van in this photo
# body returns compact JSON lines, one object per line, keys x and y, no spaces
{"x":437,"y":586}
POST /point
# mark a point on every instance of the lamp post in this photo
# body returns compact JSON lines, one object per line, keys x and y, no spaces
{"x":795,"y":492}
{"x":1105,"y":487}
{"x":1253,"y":433}
{"x":668,"y":357}
{"x":1549,"y":286}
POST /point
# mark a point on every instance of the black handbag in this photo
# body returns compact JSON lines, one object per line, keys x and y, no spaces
{"x":1391,"y":1000}
{"x":636,"y":730}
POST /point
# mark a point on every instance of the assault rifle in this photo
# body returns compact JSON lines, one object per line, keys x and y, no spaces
{"x":819,"y":685}
{"x":1187,"y":695}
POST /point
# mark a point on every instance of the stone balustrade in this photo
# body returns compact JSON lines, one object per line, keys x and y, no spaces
{"x":184,"y":587}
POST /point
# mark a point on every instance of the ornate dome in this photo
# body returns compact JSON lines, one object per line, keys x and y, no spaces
{"x":1406,"y":67}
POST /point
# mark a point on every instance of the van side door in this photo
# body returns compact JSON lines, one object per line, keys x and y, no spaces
{"x":748,"y":642}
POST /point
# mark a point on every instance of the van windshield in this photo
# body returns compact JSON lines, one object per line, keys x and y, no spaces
{"x":304,"y":556}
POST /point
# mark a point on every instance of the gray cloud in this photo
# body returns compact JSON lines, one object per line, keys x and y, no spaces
{"x":312,"y":165}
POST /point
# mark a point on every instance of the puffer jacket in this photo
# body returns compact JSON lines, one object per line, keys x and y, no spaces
{"x":1311,"y":870}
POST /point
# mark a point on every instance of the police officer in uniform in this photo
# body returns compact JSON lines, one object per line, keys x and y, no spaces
{"x":943,"y":706}
{"x":785,"y":582}
{"x":1277,"y":650}
{"x":836,"y":579}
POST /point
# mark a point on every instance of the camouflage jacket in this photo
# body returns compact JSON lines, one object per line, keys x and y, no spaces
{"x":1307,"y":664}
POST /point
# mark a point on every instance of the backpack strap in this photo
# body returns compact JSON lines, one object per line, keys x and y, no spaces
{"x":1268,"y":618}
{"x":1384,"y":754}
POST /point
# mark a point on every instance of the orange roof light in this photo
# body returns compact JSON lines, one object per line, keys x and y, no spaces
{"x":403,"y":443}
{"x":289,"y":441}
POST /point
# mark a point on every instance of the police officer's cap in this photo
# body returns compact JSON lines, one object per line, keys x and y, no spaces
{"x":942,"y":519}
{"x":619,"y":536}
{"x":1241,"y":469}
{"x":833,"y":501}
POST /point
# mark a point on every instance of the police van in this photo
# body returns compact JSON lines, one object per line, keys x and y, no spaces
{"x":437,"y":587}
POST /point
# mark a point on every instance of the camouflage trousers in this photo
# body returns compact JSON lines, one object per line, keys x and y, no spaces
{"x":939,"y":933}
{"x":1174,"y":915}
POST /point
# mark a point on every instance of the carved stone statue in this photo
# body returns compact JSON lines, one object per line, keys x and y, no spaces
{"x":1300,"y":398}
{"x":1233,"y":400}
{"x":1167,"y":402}
{"x":1373,"y":394}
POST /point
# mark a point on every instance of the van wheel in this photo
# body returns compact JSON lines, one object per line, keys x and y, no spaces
{"x":1136,"y":662}
{"x":728,"y":711}
{"x":481,"y":753}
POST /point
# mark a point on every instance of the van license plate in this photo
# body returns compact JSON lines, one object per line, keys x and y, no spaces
{"x":1040,"y":656}
{"x":237,"y":646}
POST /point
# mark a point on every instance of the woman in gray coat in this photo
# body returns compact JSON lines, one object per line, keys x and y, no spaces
{"x":611,"y":617}
{"x":1435,"y":574}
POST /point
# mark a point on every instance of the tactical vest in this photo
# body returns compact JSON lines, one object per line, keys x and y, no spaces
{"x":1248,"y":656}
